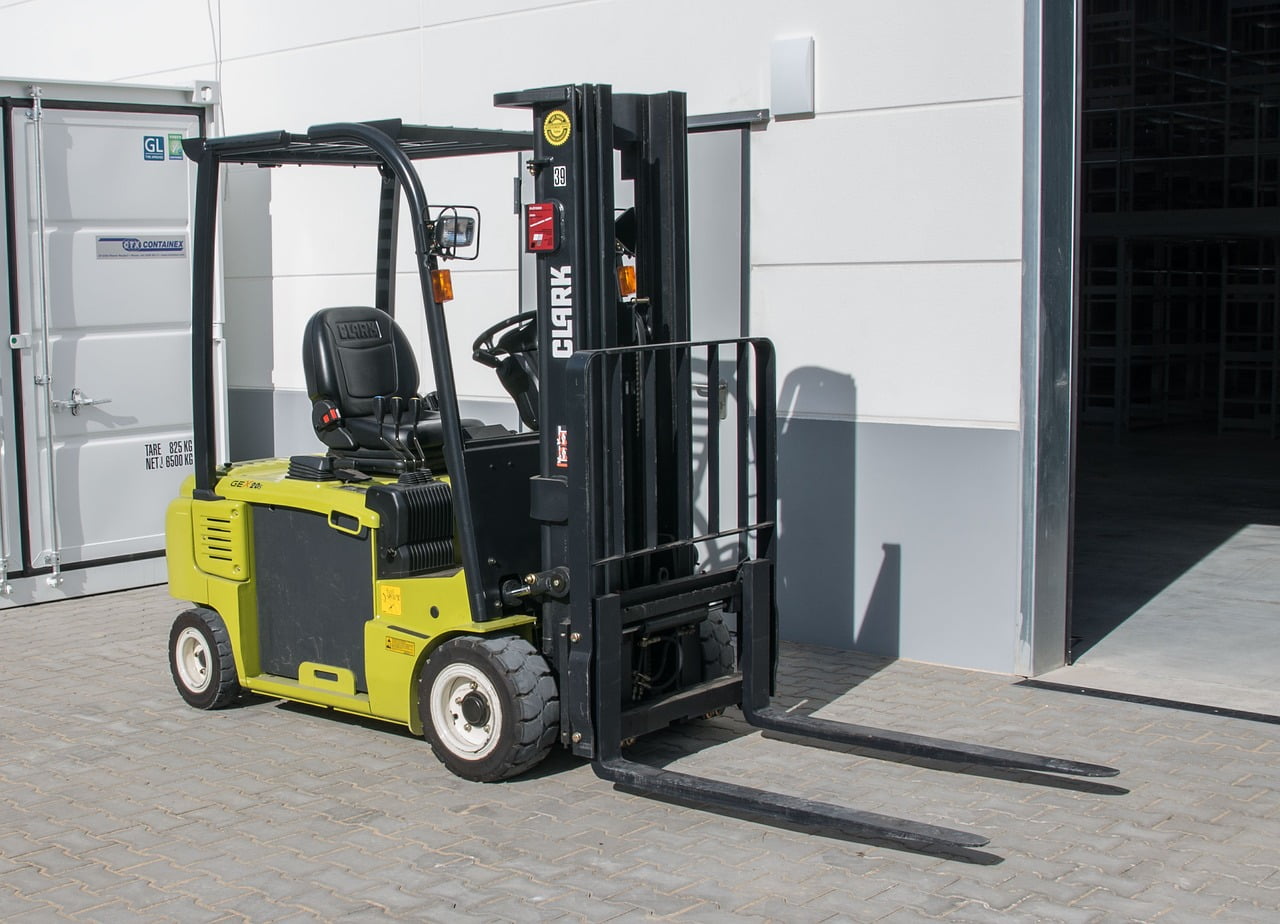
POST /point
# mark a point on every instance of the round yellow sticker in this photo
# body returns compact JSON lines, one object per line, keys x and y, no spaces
{"x":555,"y":127}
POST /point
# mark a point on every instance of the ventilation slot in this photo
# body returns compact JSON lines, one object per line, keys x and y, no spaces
{"x":216,"y":539}
{"x":219,"y":538}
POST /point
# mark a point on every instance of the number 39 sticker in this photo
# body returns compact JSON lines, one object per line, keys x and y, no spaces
{"x":560,"y":175}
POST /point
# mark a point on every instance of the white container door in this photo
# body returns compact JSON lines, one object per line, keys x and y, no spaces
{"x":103,"y":204}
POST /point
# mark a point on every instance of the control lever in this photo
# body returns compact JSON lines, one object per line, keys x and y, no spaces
{"x":379,"y":411}
{"x":396,"y":407}
{"x":415,"y":407}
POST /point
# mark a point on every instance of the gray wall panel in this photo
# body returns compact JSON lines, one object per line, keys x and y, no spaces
{"x":900,"y":540}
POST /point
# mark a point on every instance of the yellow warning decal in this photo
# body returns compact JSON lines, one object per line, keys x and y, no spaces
{"x":389,"y":601}
{"x":400,"y":645}
{"x":555,"y":127}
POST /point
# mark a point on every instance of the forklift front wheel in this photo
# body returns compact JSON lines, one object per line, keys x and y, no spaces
{"x":489,"y":706}
{"x":200,"y":660}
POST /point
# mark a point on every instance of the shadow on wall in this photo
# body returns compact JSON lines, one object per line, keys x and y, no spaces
{"x":817,"y":504}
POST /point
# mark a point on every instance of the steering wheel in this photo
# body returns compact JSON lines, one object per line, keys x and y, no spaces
{"x":516,"y":334}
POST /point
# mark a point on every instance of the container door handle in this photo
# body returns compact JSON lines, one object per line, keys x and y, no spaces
{"x":78,"y":400}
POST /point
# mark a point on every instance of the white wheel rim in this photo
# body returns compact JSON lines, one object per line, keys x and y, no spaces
{"x":192,"y":657}
{"x":454,"y":684}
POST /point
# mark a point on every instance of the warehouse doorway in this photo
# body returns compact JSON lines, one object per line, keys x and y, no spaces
{"x":1176,"y":573}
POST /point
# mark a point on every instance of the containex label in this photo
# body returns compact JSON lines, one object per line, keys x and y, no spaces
{"x":110,"y":248}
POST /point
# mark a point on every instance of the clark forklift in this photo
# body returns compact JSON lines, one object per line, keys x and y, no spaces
{"x":502,"y":592}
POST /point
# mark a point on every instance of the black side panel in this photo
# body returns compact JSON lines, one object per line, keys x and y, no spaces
{"x":315,"y":592}
{"x":499,"y":473}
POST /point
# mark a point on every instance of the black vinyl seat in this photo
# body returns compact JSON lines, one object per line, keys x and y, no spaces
{"x":362,"y":379}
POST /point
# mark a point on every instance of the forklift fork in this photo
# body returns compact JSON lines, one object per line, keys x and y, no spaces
{"x":755,"y":636}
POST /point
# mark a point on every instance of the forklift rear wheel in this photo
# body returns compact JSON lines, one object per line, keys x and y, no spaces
{"x":489,"y":706}
{"x":200,"y":659}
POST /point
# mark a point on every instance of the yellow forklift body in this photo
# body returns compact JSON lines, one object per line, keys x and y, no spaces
{"x":210,"y":562}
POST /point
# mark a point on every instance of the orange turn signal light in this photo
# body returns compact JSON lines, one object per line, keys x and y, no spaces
{"x":441,"y":286}
{"x":626,"y":280}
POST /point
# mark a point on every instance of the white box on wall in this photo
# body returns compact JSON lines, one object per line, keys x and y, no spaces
{"x":791,"y":77}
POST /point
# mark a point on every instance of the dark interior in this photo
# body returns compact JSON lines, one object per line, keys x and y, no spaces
{"x":1177,"y":333}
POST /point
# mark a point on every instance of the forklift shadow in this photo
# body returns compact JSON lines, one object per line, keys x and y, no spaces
{"x":335,"y":715}
{"x":935,"y":851}
{"x":1031,"y":777}
{"x":559,"y":760}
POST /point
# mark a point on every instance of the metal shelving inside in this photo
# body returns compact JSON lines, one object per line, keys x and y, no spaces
{"x":1180,"y":199}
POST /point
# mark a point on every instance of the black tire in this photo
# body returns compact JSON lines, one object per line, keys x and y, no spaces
{"x":718,"y":657}
{"x":200,"y":660}
{"x":489,"y":706}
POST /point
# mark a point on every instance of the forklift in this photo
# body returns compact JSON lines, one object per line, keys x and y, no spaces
{"x":579,"y":580}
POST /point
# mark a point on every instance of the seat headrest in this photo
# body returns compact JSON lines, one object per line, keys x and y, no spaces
{"x":353,"y":354}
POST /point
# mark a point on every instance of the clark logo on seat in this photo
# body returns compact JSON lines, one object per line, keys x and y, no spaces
{"x":359,"y":330}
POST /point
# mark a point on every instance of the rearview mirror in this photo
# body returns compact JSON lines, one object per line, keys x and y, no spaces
{"x":456,"y":232}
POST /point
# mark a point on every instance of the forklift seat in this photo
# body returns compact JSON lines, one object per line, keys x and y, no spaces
{"x":362,"y":379}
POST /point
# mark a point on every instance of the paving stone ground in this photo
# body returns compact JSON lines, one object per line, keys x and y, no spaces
{"x":119,"y":802}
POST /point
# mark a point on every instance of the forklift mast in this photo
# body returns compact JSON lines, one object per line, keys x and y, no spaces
{"x":578,"y":129}
{"x":615,"y":492}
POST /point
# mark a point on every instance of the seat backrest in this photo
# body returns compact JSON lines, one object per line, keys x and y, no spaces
{"x":352,"y":355}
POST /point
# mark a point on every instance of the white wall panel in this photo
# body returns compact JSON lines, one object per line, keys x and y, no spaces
{"x":906,"y":53}
{"x":324,"y":221}
{"x":81,"y":40}
{"x":369,"y":78}
{"x":649,"y":48}
{"x":918,"y":185}
{"x":252,"y":27}
{"x":933,"y":343}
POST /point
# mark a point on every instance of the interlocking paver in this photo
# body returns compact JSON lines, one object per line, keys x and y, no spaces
{"x":117,"y":801}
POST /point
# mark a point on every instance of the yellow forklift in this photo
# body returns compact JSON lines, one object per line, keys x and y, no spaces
{"x":505,"y":591}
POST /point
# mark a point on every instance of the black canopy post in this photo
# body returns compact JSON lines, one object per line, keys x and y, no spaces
{"x":204,"y":435}
{"x":384,"y":298}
